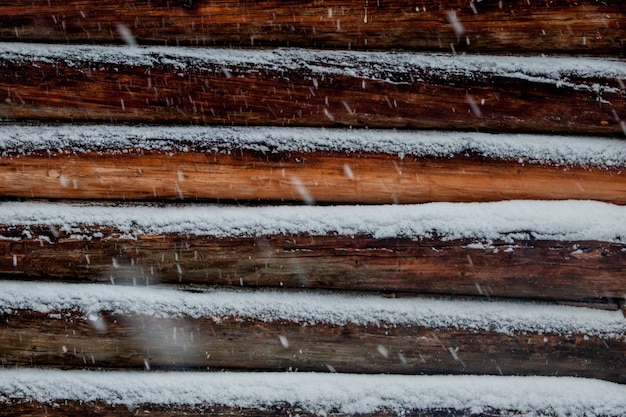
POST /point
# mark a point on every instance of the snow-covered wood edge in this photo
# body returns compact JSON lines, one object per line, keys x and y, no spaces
{"x":18,"y":140}
{"x":113,"y":327}
{"x":502,"y":221}
{"x":318,"y":394}
{"x":300,"y":87}
{"x":392,"y":67}
{"x":309,"y":308}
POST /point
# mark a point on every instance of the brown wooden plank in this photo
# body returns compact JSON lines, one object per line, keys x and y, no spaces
{"x":524,"y":269}
{"x":301,"y":88}
{"x":254,"y":176}
{"x":518,"y":26}
{"x":70,"y":340}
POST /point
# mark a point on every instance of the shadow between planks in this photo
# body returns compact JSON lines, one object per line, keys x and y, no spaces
{"x":534,"y":269}
{"x":326,"y":177}
{"x":520,"y":26}
{"x":69,"y":340}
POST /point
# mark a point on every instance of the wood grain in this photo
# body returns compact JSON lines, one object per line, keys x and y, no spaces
{"x":203,"y":93}
{"x":255,"y":176}
{"x":518,"y":26}
{"x":70,"y":340}
{"x":525,"y":269}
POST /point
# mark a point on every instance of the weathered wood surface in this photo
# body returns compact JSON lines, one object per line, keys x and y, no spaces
{"x":301,"y":88}
{"x":519,"y":26}
{"x":104,"y":409}
{"x":71,"y":340}
{"x":524,"y":269}
{"x":327,"y":177}
{"x":101,"y":408}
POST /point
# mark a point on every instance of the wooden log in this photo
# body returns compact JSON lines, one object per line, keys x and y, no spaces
{"x":73,"y":393}
{"x":311,"y":88}
{"x":327,"y":166}
{"x":303,"y":176}
{"x":64,"y":339}
{"x":557,"y":250}
{"x":96,"y":326}
{"x":518,"y":26}
{"x":579,"y":270}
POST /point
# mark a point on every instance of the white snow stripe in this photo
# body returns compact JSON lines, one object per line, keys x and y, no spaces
{"x":557,"y":150}
{"x":311,"y":307}
{"x":384,"y":66}
{"x":321,"y":393}
{"x":506,"y":220}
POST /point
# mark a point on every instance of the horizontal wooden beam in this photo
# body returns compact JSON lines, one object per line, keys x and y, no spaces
{"x":518,"y":26}
{"x":68,"y":393}
{"x":537,"y":269}
{"x":312,"y":177}
{"x":66,"y":339}
{"x":311,"y":88}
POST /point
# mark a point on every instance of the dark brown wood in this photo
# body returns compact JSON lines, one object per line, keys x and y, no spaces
{"x":84,"y":91}
{"x":32,"y":339}
{"x":250,"y":176}
{"x":525,"y":269}
{"x":103,"y":409}
{"x":519,"y":26}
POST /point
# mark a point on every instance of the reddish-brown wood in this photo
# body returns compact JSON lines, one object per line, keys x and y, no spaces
{"x":518,"y":26}
{"x":264,"y":95}
{"x":250,"y":176}
{"x":525,"y":269}
{"x":30,"y":339}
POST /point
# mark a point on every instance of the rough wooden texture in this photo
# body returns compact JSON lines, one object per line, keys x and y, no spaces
{"x":103,"y":409}
{"x":266,"y":95}
{"x":520,"y":26}
{"x":250,"y":176}
{"x":526,"y":269}
{"x":70,"y":340}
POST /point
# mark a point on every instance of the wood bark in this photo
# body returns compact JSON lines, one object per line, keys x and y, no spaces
{"x":209,"y":93}
{"x":524,"y":269}
{"x":70,"y":340}
{"x":253,"y":176}
{"x":519,"y":26}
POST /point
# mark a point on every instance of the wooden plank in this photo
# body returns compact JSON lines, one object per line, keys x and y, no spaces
{"x":519,"y":26}
{"x":66,"y":339}
{"x":284,"y":176}
{"x":312,"y":88}
{"x":580,"y":270}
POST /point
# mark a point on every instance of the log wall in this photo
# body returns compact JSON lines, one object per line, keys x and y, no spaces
{"x":436,"y":66}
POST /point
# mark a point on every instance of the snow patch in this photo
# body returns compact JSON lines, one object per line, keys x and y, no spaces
{"x":322,"y":394}
{"x":505,"y":221}
{"x":308,"y":307}
{"x":533,"y":149}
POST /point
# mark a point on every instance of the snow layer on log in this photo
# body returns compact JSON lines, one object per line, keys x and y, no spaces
{"x":505,"y":221}
{"x":310,"y":308}
{"x":322,"y":393}
{"x":393,"y":67}
{"x":539,"y":149}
